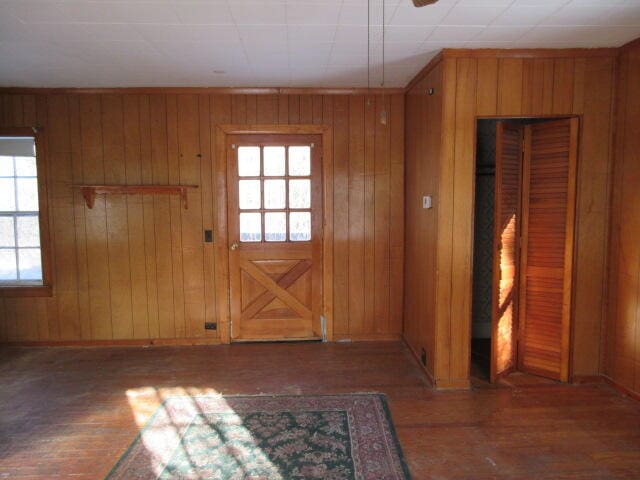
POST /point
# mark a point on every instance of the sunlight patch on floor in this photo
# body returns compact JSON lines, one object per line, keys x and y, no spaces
{"x":165,"y":440}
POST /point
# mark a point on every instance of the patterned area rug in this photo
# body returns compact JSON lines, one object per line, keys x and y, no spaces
{"x":267,"y":438}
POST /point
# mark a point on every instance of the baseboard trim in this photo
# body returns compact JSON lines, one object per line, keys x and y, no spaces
{"x":366,"y":337}
{"x":152,"y":342}
{"x":586,"y":379}
{"x":416,"y":357}
{"x":621,"y":388}
{"x":454,"y":384}
{"x":605,"y":380}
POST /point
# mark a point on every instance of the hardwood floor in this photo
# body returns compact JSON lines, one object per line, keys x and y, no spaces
{"x":71,"y":412}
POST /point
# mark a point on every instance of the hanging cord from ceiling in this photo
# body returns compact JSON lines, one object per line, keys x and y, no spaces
{"x":383,"y":41}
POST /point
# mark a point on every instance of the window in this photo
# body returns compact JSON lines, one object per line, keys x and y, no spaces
{"x":274,"y":190}
{"x":22,"y":247}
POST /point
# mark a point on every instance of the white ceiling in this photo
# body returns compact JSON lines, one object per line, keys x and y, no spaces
{"x":297,"y":43}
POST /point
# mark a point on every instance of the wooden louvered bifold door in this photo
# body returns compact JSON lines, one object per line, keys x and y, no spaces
{"x":509,"y":138}
{"x":548,"y":213}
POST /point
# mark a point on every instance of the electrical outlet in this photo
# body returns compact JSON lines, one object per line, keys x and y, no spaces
{"x":210,"y":326}
{"x":423,"y":357}
{"x":426,"y":201}
{"x":208,"y":236}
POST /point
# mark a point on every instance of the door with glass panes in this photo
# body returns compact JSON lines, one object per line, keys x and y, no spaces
{"x":274,"y":185}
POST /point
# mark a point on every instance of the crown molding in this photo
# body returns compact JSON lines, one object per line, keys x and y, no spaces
{"x":202,"y":90}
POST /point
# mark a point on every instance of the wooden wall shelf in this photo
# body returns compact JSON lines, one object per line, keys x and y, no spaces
{"x":89,"y":192}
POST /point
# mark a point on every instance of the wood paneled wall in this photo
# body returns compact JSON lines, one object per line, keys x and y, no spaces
{"x":136,"y":267}
{"x":423,"y":134}
{"x":622,"y":363}
{"x":502,"y":83}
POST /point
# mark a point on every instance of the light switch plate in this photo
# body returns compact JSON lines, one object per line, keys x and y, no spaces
{"x":426,"y":201}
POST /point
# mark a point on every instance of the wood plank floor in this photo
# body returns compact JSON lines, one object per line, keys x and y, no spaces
{"x":71,"y":413}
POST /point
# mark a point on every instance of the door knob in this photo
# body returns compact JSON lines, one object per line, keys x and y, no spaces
{"x":234,"y":246}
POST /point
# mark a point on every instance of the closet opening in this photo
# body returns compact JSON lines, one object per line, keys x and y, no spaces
{"x":524,"y":215}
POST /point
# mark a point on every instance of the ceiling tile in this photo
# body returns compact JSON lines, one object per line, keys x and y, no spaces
{"x":118,"y":12}
{"x":580,"y":14}
{"x":407,"y":33}
{"x":305,"y":13}
{"x":455,"y":33}
{"x":201,"y":53}
{"x":264,"y":36}
{"x":258,"y":13}
{"x":526,"y":14}
{"x":34,"y":11}
{"x":304,"y":34}
{"x":203,"y":12}
{"x":358,"y":33}
{"x":498,"y":34}
{"x":215,"y":34}
{"x":279,"y":42}
{"x":474,"y":14}
{"x":100,"y":32}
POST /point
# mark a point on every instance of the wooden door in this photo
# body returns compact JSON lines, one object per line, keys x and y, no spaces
{"x":504,"y":323}
{"x":275,"y":236}
{"x":548,"y":214}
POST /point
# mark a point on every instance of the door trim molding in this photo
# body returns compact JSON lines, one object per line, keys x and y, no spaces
{"x":220,"y":221}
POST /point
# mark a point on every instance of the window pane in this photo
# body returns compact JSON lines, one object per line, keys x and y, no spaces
{"x":299,"y":193}
{"x":30,"y":264}
{"x":299,"y":226}
{"x":275,"y":227}
{"x":7,"y":234}
{"x":7,"y":195}
{"x":6,"y":166}
{"x":8,"y":265}
{"x":274,"y":161}
{"x":250,"y":227}
{"x":27,"y":194}
{"x":249,"y":193}
{"x":249,"y":161}
{"x":26,"y":167}
{"x":274,"y":194}
{"x":299,"y":161}
{"x":28,"y":231}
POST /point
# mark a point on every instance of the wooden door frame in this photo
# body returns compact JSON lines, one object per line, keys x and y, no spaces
{"x":550,"y":117}
{"x":220,"y":224}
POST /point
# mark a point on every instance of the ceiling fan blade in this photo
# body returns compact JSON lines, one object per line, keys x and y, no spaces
{"x":422,"y":3}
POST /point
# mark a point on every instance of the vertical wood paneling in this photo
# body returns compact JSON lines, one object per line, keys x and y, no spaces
{"x":161,"y":208}
{"x":136,"y":267}
{"x":444,"y":244}
{"x":191,"y":219}
{"x":341,"y":238}
{"x":175,"y":216}
{"x":396,"y":213}
{"x":369,"y":212}
{"x":487,"y":86}
{"x":622,"y":361}
{"x":80,"y":231}
{"x":206,"y":192}
{"x":61,"y":209}
{"x":146,"y":174}
{"x":462,"y":227}
{"x":563,"y":74}
{"x":116,"y":221}
{"x":356,"y":213}
{"x":96,"y":221}
{"x":591,"y":225}
{"x":381,"y":231}
{"x":510,"y":72}
{"x":135,"y":218}
{"x":516,"y":86}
